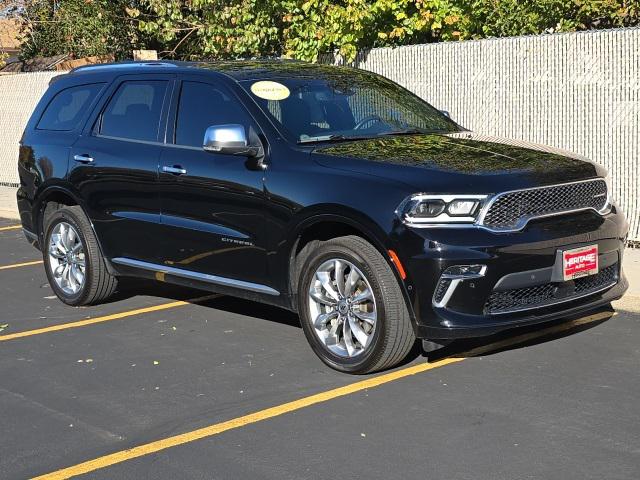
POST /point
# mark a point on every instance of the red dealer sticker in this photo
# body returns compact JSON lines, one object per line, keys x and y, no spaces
{"x":580,"y":262}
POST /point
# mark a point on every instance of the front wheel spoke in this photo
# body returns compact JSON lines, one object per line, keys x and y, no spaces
{"x":358,"y":332}
{"x":362,"y":297}
{"x":59,"y":245}
{"x":322,"y":299}
{"x":325,"y":280}
{"x":59,"y":270}
{"x":339,"y":274}
{"x":348,"y":340}
{"x":55,"y":252}
{"x":63,"y":237}
{"x":71,"y":238}
{"x":66,"y":275}
{"x":352,"y":279}
{"x":322,"y":319}
{"x":369,"y":317}
{"x":77,"y":274}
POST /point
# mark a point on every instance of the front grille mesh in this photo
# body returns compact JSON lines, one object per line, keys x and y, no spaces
{"x":510,"y":209}
{"x":539,"y":295}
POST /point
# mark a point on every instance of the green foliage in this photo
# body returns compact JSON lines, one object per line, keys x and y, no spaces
{"x":305,"y":28}
{"x":80,"y":27}
{"x":197,"y":29}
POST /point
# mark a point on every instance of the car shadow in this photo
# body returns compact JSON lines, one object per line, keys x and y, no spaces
{"x":131,"y":287}
{"x":516,"y":338}
{"x":522,"y":337}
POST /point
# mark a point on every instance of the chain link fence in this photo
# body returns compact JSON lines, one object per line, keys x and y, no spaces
{"x":575,"y":91}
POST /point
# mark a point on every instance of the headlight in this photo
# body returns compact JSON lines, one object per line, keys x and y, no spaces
{"x":424,"y":209}
{"x":608,"y":205}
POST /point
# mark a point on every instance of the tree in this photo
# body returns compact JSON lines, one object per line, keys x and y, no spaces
{"x":305,"y":28}
{"x":79,"y":27}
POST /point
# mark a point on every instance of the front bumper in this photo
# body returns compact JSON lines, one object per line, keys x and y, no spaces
{"x":517,"y":264}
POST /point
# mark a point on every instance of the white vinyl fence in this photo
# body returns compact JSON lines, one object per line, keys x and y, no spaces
{"x":19,"y":94}
{"x":576,"y":91}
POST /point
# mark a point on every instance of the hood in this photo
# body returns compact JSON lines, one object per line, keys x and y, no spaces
{"x":464,"y":162}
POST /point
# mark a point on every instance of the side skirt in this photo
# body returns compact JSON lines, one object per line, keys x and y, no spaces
{"x":163,"y":270}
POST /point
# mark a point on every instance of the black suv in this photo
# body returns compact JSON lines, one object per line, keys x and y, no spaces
{"x":325,"y":190}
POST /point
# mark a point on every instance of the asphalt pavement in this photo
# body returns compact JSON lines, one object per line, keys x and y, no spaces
{"x":162,"y":383}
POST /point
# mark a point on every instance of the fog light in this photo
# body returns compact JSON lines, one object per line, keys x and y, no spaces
{"x":451,"y":278}
{"x":464,"y":271}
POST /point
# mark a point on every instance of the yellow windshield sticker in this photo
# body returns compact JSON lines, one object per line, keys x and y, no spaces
{"x":270,"y":90}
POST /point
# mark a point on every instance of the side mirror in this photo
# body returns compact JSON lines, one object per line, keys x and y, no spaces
{"x":230,"y":139}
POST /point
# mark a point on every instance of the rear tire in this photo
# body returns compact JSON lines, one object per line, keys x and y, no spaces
{"x":75,"y":267}
{"x":354,"y":326}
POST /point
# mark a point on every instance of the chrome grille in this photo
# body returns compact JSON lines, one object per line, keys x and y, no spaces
{"x":512,"y":210}
{"x":506,"y":301}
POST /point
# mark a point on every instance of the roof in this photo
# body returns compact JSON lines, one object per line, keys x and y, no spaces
{"x":9,"y":35}
{"x":237,"y":69}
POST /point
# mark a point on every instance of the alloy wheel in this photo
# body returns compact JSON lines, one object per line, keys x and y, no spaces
{"x":342,"y":307}
{"x":67,"y":259}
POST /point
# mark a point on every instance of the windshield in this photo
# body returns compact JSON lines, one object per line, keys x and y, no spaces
{"x":348,"y":105}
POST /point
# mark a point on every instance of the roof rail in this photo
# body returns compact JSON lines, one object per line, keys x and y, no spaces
{"x":99,"y":66}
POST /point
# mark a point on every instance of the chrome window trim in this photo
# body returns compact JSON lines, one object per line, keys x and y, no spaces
{"x":203,"y":277}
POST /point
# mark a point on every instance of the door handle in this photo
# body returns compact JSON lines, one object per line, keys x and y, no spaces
{"x":83,"y":158}
{"x":176,"y":170}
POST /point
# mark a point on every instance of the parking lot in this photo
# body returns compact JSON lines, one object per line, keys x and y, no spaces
{"x":169,"y":383}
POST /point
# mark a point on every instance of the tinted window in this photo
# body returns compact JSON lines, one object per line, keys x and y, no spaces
{"x":134,"y":111}
{"x":348,"y":103}
{"x":201,"y":106}
{"x":66,"y":108}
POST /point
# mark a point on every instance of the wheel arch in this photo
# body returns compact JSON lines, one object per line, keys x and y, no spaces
{"x":325,"y":226}
{"x":49,"y":200}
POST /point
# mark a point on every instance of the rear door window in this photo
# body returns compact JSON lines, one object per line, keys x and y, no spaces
{"x":65,"y":110}
{"x":134,"y":111}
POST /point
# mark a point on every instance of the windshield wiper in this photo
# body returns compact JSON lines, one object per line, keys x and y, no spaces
{"x":332,"y":138}
{"x":406,"y":131}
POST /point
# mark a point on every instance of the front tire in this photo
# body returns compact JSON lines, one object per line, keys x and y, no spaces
{"x":351,"y":308}
{"x":73,"y":262}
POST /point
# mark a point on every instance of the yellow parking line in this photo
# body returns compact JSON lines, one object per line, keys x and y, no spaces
{"x":10,"y":227}
{"x":261,"y":415}
{"x":18,"y":265}
{"x":163,"y":444}
{"x":106,"y":318}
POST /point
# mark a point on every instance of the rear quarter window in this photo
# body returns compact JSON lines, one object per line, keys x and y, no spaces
{"x":64,"y":111}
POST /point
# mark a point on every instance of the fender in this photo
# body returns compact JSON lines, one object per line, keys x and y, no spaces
{"x":368,"y":229}
{"x":47,"y":191}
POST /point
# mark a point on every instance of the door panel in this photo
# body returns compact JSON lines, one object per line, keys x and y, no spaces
{"x":213,"y":212}
{"x":120,"y":191}
{"x":114,"y":166}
